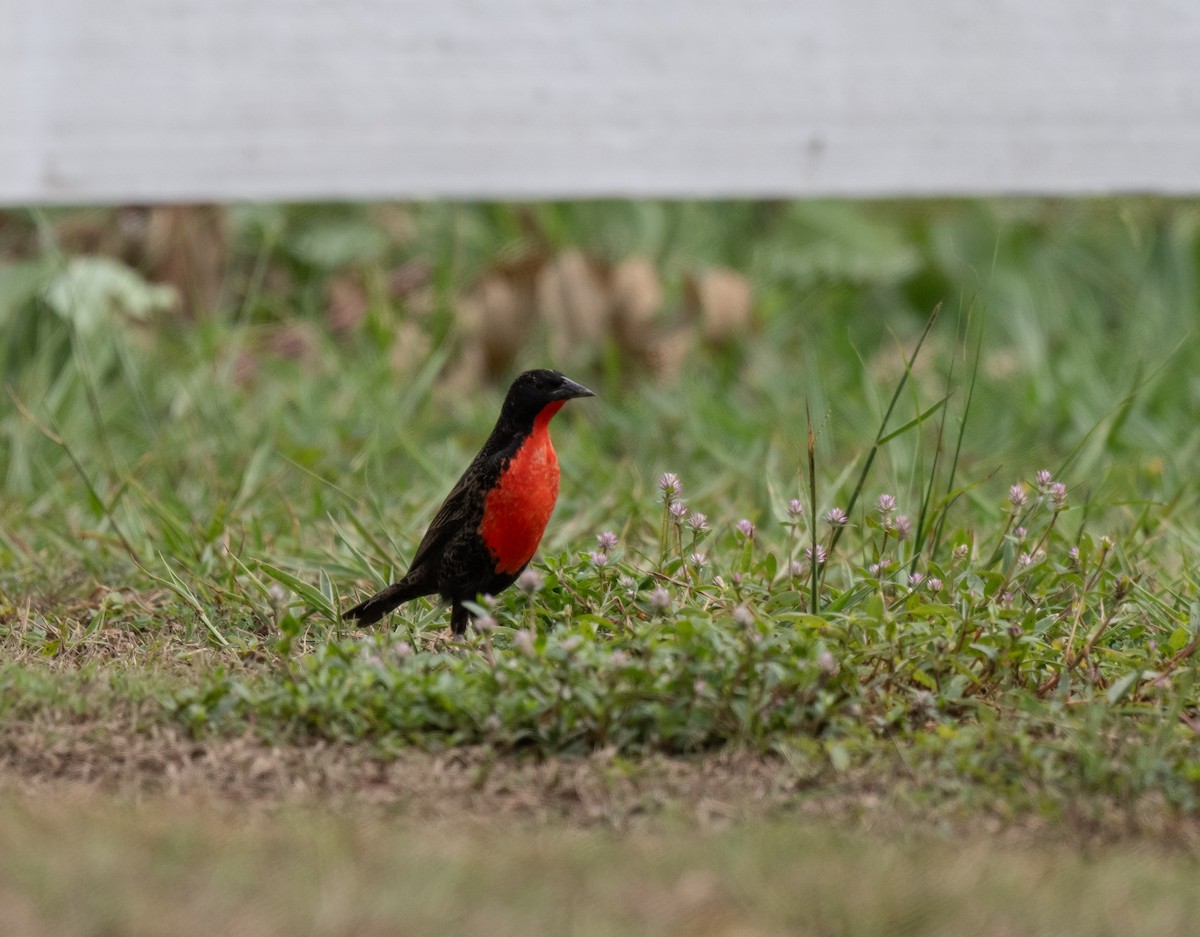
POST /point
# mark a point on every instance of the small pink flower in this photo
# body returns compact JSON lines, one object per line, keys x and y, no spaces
{"x":523,"y":642}
{"x":530,"y":581}
{"x":670,"y":486}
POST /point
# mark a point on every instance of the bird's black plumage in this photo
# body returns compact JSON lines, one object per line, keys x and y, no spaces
{"x":454,"y":559}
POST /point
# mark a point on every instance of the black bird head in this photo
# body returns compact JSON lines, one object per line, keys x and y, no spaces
{"x":534,"y":390}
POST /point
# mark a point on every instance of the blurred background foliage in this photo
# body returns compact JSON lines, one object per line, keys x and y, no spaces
{"x":182,"y":347}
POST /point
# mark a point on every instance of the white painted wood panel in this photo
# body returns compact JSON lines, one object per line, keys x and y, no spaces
{"x":148,"y":100}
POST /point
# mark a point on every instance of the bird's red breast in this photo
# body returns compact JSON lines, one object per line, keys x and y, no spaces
{"x":517,"y":509}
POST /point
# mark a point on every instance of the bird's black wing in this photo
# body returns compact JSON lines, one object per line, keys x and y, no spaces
{"x":462,"y":509}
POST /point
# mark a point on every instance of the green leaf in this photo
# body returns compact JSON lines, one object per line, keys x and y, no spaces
{"x":915,"y":421}
{"x":803,"y":619}
{"x":838,"y":756}
{"x":932,"y":611}
{"x":1117,"y":691}
{"x":310,"y":593}
{"x":90,"y":289}
{"x":921,"y":677}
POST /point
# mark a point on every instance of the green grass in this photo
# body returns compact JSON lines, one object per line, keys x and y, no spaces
{"x":188,"y":505}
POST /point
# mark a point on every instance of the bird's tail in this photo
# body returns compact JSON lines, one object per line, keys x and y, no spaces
{"x":384,"y":601}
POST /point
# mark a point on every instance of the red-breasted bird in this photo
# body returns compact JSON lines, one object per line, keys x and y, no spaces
{"x":486,"y":531}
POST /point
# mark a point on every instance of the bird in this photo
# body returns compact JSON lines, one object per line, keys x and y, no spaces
{"x":488,"y":528}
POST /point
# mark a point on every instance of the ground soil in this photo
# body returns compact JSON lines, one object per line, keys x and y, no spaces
{"x":84,"y":761}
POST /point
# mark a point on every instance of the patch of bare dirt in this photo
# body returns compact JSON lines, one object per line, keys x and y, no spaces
{"x":91,"y":759}
{"x":80,"y":762}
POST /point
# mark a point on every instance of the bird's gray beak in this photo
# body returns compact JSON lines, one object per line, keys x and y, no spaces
{"x":569,"y":389}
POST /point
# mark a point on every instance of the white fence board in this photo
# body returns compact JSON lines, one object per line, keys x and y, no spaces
{"x":149,"y":100}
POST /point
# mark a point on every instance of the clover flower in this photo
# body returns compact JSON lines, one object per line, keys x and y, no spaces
{"x":670,"y":486}
{"x":530,"y":581}
{"x":485,"y":623}
{"x":523,"y":642}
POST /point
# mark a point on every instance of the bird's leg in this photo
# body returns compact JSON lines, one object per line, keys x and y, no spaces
{"x":459,"y":616}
